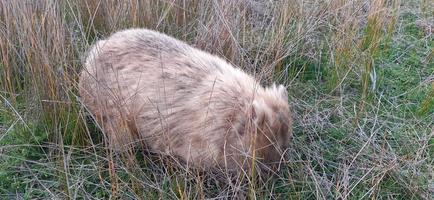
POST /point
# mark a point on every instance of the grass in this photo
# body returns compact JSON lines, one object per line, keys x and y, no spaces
{"x":360,"y":77}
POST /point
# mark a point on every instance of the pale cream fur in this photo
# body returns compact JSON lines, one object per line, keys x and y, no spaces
{"x":145,"y":87}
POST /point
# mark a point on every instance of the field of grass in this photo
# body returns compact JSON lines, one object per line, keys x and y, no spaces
{"x":359,"y":73}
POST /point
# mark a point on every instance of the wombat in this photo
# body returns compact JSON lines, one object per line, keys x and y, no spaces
{"x":144,"y":87}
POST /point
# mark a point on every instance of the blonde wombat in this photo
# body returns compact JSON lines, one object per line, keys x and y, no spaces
{"x":144,"y":87}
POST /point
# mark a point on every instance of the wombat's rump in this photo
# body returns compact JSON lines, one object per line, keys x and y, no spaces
{"x":144,"y":87}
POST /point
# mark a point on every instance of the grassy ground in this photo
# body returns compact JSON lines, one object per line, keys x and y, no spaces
{"x":360,"y":76}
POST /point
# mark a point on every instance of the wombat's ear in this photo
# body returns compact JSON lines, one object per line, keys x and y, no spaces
{"x":258,"y":113}
{"x":283,"y":92}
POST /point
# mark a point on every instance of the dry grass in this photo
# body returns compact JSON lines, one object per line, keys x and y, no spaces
{"x":358,"y":74}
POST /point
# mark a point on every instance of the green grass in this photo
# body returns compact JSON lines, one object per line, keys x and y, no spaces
{"x":360,"y":81}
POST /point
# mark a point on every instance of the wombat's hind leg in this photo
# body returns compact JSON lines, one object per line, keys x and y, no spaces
{"x":117,"y":132}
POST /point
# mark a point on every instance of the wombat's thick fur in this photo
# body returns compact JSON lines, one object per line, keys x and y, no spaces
{"x":144,"y":87}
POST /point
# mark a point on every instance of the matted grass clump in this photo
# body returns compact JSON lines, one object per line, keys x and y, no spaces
{"x":359,"y":73}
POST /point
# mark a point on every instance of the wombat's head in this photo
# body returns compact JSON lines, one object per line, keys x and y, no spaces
{"x":269,"y":129}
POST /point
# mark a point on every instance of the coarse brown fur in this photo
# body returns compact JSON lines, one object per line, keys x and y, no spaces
{"x":146,"y":87}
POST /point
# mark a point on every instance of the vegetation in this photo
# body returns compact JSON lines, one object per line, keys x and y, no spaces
{"x":360,"y":77}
